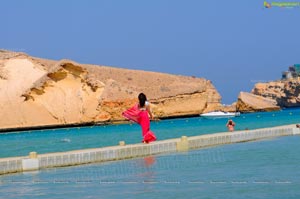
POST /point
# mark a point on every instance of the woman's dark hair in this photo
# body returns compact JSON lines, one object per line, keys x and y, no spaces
{"x":142,"y":99}
{"x":230,"y":122}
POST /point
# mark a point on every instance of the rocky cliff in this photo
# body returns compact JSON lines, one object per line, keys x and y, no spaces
{"x":285,"y":92}
{"x":248,"y":102}
{"x":39,"y":92}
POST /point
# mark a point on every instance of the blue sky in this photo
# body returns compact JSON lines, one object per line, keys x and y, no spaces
{"x":235,"y":44}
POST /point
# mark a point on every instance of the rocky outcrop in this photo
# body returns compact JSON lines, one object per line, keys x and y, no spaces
{"x":248,"y":102}
{"x":39,"y":92}
{"x":286,"y":92}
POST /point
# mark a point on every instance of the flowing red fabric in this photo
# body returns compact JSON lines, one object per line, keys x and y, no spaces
{"x":142,"y":118}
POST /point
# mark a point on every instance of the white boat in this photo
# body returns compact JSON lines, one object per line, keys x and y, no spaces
{"x":220,"y":114}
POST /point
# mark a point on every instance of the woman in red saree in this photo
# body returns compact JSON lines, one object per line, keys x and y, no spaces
{"x":139,"y":113}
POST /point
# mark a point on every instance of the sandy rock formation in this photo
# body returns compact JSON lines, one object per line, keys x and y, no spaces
{"x":39,"y":92}
{"x":286,"y":92}
{"x":248,"y":102}
{"x":229,"y":108}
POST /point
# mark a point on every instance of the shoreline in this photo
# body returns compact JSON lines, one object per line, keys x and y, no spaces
{"x":86,"y":124}
{"x":114,"y":122}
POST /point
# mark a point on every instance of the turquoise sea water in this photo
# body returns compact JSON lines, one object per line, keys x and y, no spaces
{"x":261,"y":169}
{"x":55,"y":140}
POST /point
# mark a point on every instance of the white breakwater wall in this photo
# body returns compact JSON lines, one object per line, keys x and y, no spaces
{"x":70,"y":158}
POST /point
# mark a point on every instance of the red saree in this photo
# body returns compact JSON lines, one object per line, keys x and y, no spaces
{"x":142,"y":118}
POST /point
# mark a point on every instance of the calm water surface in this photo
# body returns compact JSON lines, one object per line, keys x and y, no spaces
{"x":262,"y":169}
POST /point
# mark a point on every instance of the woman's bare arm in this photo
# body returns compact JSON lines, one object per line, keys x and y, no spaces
{"x":149,"y":111}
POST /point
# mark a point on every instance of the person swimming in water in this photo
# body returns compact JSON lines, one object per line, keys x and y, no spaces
{"x":230,"y":125}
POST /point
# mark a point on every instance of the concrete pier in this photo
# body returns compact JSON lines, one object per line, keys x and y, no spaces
{"x":35,"y":161}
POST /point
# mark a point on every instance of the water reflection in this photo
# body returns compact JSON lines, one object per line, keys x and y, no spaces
{"x":148,"y":177}
{"x":149,"y":161}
